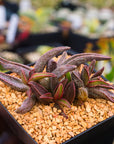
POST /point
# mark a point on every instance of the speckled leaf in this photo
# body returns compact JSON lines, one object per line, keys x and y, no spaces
{"x":64,"y":102}
{"x":13,"y":82}
{"x":98,"y":73}
{"x":70,"y":92}
{"x":27,"y":105}
{"x":85,"y":58}
{"x":92,"y":66}
{"x":51,"y":65}
{"x":63,"y":69}
{"x":15,"y":67}
{"x":85,"y":75}
{"x":38,"y":76}
{"x":42,"y":61}
{"x":101,"y":93}
{"x":76,"y":78}
{"x":59,"y":92}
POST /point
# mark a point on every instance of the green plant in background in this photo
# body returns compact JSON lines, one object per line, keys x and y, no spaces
{"x":106,"y":47}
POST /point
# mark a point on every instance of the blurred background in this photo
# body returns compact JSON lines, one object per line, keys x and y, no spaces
{"x":29,"y":28}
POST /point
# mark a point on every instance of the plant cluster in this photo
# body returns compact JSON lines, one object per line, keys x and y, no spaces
{"x":58,"y":81}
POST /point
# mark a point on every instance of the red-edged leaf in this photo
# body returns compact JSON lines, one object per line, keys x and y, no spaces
{"x":38,"y":76}
{"x":63,"y":69}
{"x":37,"y":88}
{"x":26,"y":105}
{"x":29,"y":92}
{"x":98,"y":73}
{"x":91,"y":67}
{"x":13,"y":82}
{"x":15,"y":67}
{"x":70,"y":92}
{"x":42,"y":61}
{"x":64,"y":82}
{"x":85,"y":75}
{"x":96,"y":83}
{"x":76,"y":78}
{"x":68,"y":76}
{"x":64,"y":102}
{"x":47,"y":96}
{"x":23,"y":76}
{"x":59,"y":92}
{"x":31,"y":72}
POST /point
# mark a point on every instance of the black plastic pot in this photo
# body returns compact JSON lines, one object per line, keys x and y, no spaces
{"x":101,"y":133}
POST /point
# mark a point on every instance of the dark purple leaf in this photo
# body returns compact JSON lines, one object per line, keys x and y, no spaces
{"x":27,"y":105}
{"x":42,"y":61}
{"x":98,"y":73}
{"x":91,"y":67}
{"x":62,"y":58}
{"x":51,"y":65}
{"x":13,"y":82}
{"x":85,"y":75}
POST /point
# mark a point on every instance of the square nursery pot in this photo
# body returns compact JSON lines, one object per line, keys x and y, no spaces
{"x":101,"y":133}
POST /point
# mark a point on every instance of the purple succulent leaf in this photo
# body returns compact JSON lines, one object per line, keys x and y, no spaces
{"x":85,"y":58}
{"x":62,"y":58}
{"x":53,"y":82}
{"x":38,"y":76}
{"x":46,"y":96}
{"x":101,"y":93}
{"x":51,"y":65}
{"x":63,"y":102}
{"x":23,"y":76}
{"x":31,"y":72}
{"x":91,"y":67}
{"x":98,"y":73}
{"x":27,"y":105}
{"x":63,"y":69}
{"x":59,"y":92}
{"x":13,"y":82}
{"x":99,"y":83}
{"x":76,"y":78}
{"x":43,"y":60}
{"x":37,"y":88}
{"x":70,"y":92}
{"x":29,"y":92}
{"x":64,"y":82}
{"x":15,"y":67}
{"x":85,"y":75}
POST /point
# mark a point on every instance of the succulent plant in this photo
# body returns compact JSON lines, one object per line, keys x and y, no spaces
{"x":53,"y":81}
{"x":92,"y":85}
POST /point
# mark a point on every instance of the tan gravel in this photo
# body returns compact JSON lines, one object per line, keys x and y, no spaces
{"x":46,"y":125}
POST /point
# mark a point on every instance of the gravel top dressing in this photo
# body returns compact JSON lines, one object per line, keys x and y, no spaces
{"x":44,"y":122}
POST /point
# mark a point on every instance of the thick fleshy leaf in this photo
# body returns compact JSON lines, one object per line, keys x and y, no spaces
{"x":42,"y":61}
{"x":64,"y":102}
{"x":62,"y":58}
{"x":85,"y":75}
{"x":98,"y":73}
{"x":99,"y":83}
{"x":68,"y":76}
{"x":53,"y":82}
{"x":38,"y":76}
{"x":63,"y":69}
{"x":85,"y":58}
{"x":64,"y":82}
{"x":101,"y":93}
{"x":70,"y":92}
{"x":91,"y":67}
{"x":59,"y":92}
{"x":51,"y":65}
{"x":29,"y":92}
{"x":76,"y":78}
{"x":13,"y":82}
{"x":46,"y":96}
{"x":15,"y":67}
{"x":23,"y":76}
{"x":82,"y":94}
{"x":37,"y":88}
{"x":27,"y":105}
